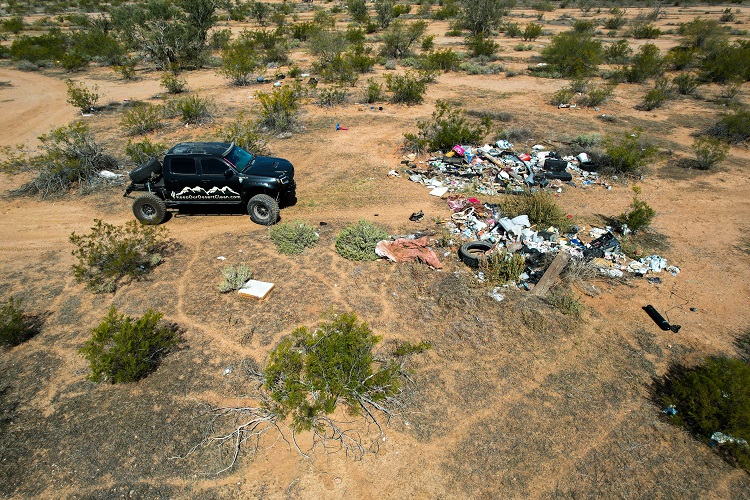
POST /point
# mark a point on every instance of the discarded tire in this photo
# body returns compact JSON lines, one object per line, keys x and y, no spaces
{"x":140,"y":174}
{"x":472,"y":253}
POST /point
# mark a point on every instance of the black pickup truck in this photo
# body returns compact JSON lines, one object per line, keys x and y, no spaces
{"x":212,"y":173}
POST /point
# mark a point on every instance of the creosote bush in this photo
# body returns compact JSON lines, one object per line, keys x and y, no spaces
{"x":709,"y":151}
{"x":408,"y":88}
{"x":193,"y":109}
{"x":69,"y":157}
{"x":81,"y":96}
{"x":244,"y":132}
{"x":357,"y":241}
{"x":142,"y":118}
{"x":279,"y":108}
{"x":502,"y":267}
{"x":733,"y":127}
{"x":110,"y":253}
{"x":639,"y":215}
{"x":628,"y":153}
{"x":234,"y":277}
{"x":173,"y":83}
{"x":15,"y":326}
{"x":312,"y":372}
{"x":140,"y":152}
{"x":125,"y":349}
{"x":541,"y":208}
{"x":447,"y":126}
{"x":713,"y":396}
{"x":293,"y":237}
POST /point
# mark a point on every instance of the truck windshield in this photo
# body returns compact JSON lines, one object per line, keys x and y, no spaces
{"x":239,"y":158}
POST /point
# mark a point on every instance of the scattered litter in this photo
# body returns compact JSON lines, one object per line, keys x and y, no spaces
{"x":106,"y":174}
{"x":221,"y":257}
{"x":495,"y":294}
{"x":416,"y":216}
{"x":255,"y":289}
{"x":393,"y":173}
{"x":228,"y":370}
{"x":721,"y":438}
{"x":439,"y":191}
{"x":670,"y":410}
{"x":654,"y":281}
{"x":339,"y":127}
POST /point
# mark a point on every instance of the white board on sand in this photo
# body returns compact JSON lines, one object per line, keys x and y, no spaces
{"x":255,"y":289}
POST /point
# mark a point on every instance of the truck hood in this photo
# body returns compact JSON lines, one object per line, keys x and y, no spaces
{"x":270,"y":166}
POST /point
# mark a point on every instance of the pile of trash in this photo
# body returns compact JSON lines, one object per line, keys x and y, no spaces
{"x":499,"y":169}
{"x":473,"y":221}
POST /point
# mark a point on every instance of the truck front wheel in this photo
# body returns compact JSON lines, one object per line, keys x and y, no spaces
{"x":263,"y":210}
{"x":149,"y":209}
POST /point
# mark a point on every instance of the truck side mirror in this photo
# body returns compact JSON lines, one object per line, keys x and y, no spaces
{"x":228,"y":172}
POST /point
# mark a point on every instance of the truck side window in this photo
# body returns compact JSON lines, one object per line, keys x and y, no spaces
{"x":213,"y":166}
{"x":182,"y":165}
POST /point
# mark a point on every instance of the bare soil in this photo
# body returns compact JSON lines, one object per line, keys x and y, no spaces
{"x":515,"y":400}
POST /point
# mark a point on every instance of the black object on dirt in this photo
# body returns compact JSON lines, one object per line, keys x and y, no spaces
{"x":659,"y":319}
{"x":416,"y":216}
{"x":604,"y":243}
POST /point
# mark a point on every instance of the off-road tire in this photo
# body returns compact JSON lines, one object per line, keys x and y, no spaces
{"x":143,"y":172}
{"x":472,"y":253}
{"x":263,"y":210}
{"x":149,"y":209}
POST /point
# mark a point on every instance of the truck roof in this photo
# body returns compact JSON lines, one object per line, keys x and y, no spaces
{"x":200,"y":148}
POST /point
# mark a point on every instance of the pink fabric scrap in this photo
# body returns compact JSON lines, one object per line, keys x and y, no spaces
{"x":406,"y":250}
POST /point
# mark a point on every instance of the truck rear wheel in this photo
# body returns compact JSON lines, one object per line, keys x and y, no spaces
{"x":263,"y":210}
{"x":149,"y":209}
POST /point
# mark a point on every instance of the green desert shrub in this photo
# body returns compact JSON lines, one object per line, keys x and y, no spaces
{"x":646,"y":63}
{"x":541,"y":208}
{"x":628,"y":152}
{"x":709,"y":151}
{"x":502,"y":267}
{"x":234,"y":277}
{"x":448,"y":126}
{"x":573,"y":54}
{"x":642,"y":30}
{"x":531,"y":32}
{"x":142,"y":119}
{"x":109,"y":254}
{"x":125,"y":349}
{"x":618,"y":52}
{"x":373,"y":91}
{"x":357,"y":241}
{"x":15,"y":326}
{"x":712,"y":397}
{"x":81,"y":96}
{"x":639,"y":214}
{"x":565,"y":301}
{"x":245,"y":133}
{"x":69,"y":158}
{"x":192,"y":109}
{"x":685,"y":83}
{"x":733,"y":127}
{"x":293,"y":237}
{"x":660,"y":94}
{"x":331,"y":97}
{"x":279,"y":109}
{"x":313,"y":372}
{"x":173,"y":83}
{"x":481,"y":46}
{"x":440,"y":60}
{"x":408,"y":88}
{"x":140,"y":152}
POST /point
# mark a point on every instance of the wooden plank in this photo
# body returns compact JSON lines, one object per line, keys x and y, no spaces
{"x":551,"y":274}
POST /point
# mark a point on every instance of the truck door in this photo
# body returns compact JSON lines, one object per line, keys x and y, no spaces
{"x":181,"y":178}
{"x":220,"y":181}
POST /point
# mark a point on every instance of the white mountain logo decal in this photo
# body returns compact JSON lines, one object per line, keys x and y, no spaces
{"x":199,"y":192}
